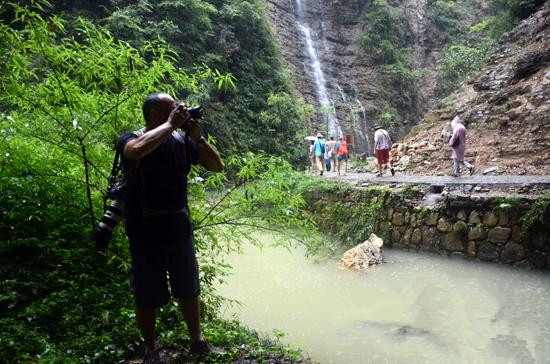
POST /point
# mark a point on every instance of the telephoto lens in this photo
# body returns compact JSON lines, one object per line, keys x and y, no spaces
{"x":104,"y":231}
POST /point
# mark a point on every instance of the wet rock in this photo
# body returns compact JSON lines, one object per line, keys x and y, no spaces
{"x":443,"y":225}
{"x":431,"y":218}
{"x":537,"y":260}
{"x":430,"y":239}
{"x":461,"y":215}
{"x":363,"y":255}
{"x":460,"y":227}
{"x":395,"y":236}
{"x":504,"y":217}
{"x":471,"y":249}
{"x":453,"y":241}
{"x":499,"y":234}
{"x":416,"y":237}
{"x":487,"y":251}
{"x":512,"y":252}
{"x":477,"y":233}
{"x":474,"y":218}
{"x":406,"y":240}
{"x":516,"y":233}
{"x":398,"y":219}
{"x":490,"y":219}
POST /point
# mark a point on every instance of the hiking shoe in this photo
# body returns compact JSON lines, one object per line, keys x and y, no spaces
{"x":471,"y":169}
{"x":203,"y":347}
{"x":392,"y":170}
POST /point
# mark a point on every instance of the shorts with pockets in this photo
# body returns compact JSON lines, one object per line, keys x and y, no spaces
{"x":163,"y":251}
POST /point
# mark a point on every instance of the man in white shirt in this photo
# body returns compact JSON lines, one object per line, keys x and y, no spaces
{"x":382,"y":145}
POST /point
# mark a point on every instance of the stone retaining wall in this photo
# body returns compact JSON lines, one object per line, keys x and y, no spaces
{"x":473,"y":226}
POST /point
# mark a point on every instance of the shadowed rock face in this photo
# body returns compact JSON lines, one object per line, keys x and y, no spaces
{"x":506,"y":108}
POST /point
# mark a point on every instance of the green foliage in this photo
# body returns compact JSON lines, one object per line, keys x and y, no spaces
{"x":344,"y":213}
{"x":217,"y":34}
{"x":508,"y":204}
{"x":447,"y":21}
{"x":65,"y":99}
{"x":386,"y":40}
{"x":458,"y":62}
{"x":534,"y":224}
{"x":386,"y":34}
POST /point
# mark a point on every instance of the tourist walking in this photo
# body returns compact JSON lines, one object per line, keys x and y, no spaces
{"x":343,"y":154}
{"x":313,"y":164}
{"x":331,"y":151}
{"x":458,"y":145}
{"x":382,"y":145}
{"x":319,"y":148}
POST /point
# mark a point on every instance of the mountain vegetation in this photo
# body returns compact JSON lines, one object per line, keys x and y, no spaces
{"x":69,"y":88}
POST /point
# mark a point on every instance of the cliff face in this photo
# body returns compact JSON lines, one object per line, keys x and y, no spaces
{"x":506,"y":109}
{"x":352,"y":83}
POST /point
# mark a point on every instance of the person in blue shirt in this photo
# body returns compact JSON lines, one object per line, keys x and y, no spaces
{"x":319,"y":150}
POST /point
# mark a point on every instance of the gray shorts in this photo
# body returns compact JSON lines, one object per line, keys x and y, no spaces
{"x":163,"y":250}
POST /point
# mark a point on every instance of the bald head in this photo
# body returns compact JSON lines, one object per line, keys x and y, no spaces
{"x":157,"y":108}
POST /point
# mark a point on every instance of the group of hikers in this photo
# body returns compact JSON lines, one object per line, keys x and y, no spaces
{"x":331,"y":155}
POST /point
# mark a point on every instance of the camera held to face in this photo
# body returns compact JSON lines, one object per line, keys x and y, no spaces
{"x":195,"y":111}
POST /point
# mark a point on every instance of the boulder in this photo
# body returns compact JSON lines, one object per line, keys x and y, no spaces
{"x":363,"y":255}
{"x":512,"y":252}
{"x":475,"y":218}
{"x":443,"y":225}
{"x":490,"y":219}
{"x":477,"y":233}
{"x":499,"y":234}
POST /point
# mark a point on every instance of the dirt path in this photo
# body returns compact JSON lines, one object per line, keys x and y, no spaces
{"x":478,"y":180}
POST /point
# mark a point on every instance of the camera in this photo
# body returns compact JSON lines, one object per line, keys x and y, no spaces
{"x":195,"y":111}
{"x":104,"y":230}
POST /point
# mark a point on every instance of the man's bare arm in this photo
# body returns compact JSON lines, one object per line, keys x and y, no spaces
{"x":149,"y":141}
{"x":210,"y":158}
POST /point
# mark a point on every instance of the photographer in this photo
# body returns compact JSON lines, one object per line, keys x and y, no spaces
{"x":158,"y":226}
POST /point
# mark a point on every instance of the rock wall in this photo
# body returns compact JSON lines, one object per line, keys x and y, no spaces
{"x":506,"y":109}
{"x":473,"y":226}
{"x":351,"y":80}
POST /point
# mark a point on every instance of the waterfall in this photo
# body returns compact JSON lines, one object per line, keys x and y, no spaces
{"x":364,"y":125}
{"x":323,"y":97}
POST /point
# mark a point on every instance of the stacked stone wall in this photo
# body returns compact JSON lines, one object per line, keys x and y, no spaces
{"x":472,"y":226}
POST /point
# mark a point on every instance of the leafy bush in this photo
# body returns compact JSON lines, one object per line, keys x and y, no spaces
{"x":458,"y":62}
{"x":65,"y":99}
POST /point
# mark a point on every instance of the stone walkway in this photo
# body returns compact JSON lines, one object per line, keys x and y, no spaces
{"x":479,"y":180}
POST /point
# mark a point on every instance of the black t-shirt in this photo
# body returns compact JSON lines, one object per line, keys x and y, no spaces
{"x":159,"y":180}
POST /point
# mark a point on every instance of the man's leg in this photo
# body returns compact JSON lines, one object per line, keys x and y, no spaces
{"x":190,"y":308}
{"x":456,"y":167}
{"x":469,"y":166}
{"x":345,"y":166}
{"x":146,"y":322}
{"x":320,"y":166}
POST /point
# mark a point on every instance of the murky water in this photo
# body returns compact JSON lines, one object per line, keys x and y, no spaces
{"x":413,"y":309}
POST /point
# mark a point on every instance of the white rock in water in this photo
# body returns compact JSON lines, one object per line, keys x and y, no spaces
{"x":363,"y":255}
